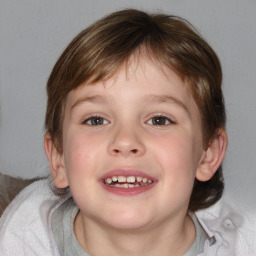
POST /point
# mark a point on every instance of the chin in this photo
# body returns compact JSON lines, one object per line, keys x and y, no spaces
{"x":127,"y":219}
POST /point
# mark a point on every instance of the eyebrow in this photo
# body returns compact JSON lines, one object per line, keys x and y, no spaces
{"x":92,"y":99}
{"x":148,"y":99}
{"x":165,"y":98}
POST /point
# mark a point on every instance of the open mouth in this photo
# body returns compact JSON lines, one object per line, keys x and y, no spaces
{"x":127,"y":182}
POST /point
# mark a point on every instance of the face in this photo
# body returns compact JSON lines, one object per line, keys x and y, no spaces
{"x":132,"y":146}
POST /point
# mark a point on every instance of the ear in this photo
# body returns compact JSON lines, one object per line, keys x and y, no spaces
{"x":56,"y":163}
{"x":212,"y":157}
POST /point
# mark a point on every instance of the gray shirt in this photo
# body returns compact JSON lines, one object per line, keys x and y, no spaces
{"x":63,"y":232}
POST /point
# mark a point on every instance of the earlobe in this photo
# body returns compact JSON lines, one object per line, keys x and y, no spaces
{"x":56,"y":163}
{"x":212,"y":157}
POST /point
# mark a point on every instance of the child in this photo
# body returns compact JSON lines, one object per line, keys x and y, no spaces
{"x":135,"y":138}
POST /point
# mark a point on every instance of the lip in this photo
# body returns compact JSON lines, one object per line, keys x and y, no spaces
{"x":127,"y":191}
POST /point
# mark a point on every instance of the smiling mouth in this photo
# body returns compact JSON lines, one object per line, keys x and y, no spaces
{"x":127,"y":182}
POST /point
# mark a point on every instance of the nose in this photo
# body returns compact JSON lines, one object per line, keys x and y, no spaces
{"x":126,"y":142}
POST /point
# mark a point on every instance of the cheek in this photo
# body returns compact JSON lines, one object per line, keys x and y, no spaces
{"x":177,"y":151}
{"x":176,"y":158}
{"x":81,"y":152}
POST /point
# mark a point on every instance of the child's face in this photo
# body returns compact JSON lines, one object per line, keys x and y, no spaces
{"x":148,"y":126}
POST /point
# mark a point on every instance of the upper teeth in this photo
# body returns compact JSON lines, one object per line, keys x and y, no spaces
{"x":129,"y":179}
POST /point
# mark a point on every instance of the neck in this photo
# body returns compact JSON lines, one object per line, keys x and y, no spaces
{"x":165,"y":240}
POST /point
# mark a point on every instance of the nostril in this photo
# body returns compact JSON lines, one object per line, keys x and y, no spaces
{"x":117,"y":151}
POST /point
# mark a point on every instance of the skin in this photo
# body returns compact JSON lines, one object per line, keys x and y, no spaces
{"x":127,"y":107}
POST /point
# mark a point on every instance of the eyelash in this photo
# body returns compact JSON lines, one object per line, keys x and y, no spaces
{"x":91,"y":118}
{"x":155,"y":120}
{"x":162,"y":118}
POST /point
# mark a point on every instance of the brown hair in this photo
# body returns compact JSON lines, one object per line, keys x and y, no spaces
{"x":100,"y":50}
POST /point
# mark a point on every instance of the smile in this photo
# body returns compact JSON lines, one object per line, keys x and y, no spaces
{"x":127,"y":182}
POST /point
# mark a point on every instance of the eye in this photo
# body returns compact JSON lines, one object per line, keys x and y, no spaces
{"x":95,"y":120}
{"x":160,"y":120}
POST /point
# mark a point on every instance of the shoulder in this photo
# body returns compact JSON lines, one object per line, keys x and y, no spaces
{"x":24,"y":226}
{"x":234,"y":229}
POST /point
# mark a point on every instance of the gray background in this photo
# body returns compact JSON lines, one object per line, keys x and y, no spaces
{"x":33,"y":34}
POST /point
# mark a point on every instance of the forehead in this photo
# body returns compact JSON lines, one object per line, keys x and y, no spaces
{"x":143,"y":75}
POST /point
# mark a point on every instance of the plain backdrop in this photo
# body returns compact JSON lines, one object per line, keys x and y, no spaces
{"x":34,"y":33}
